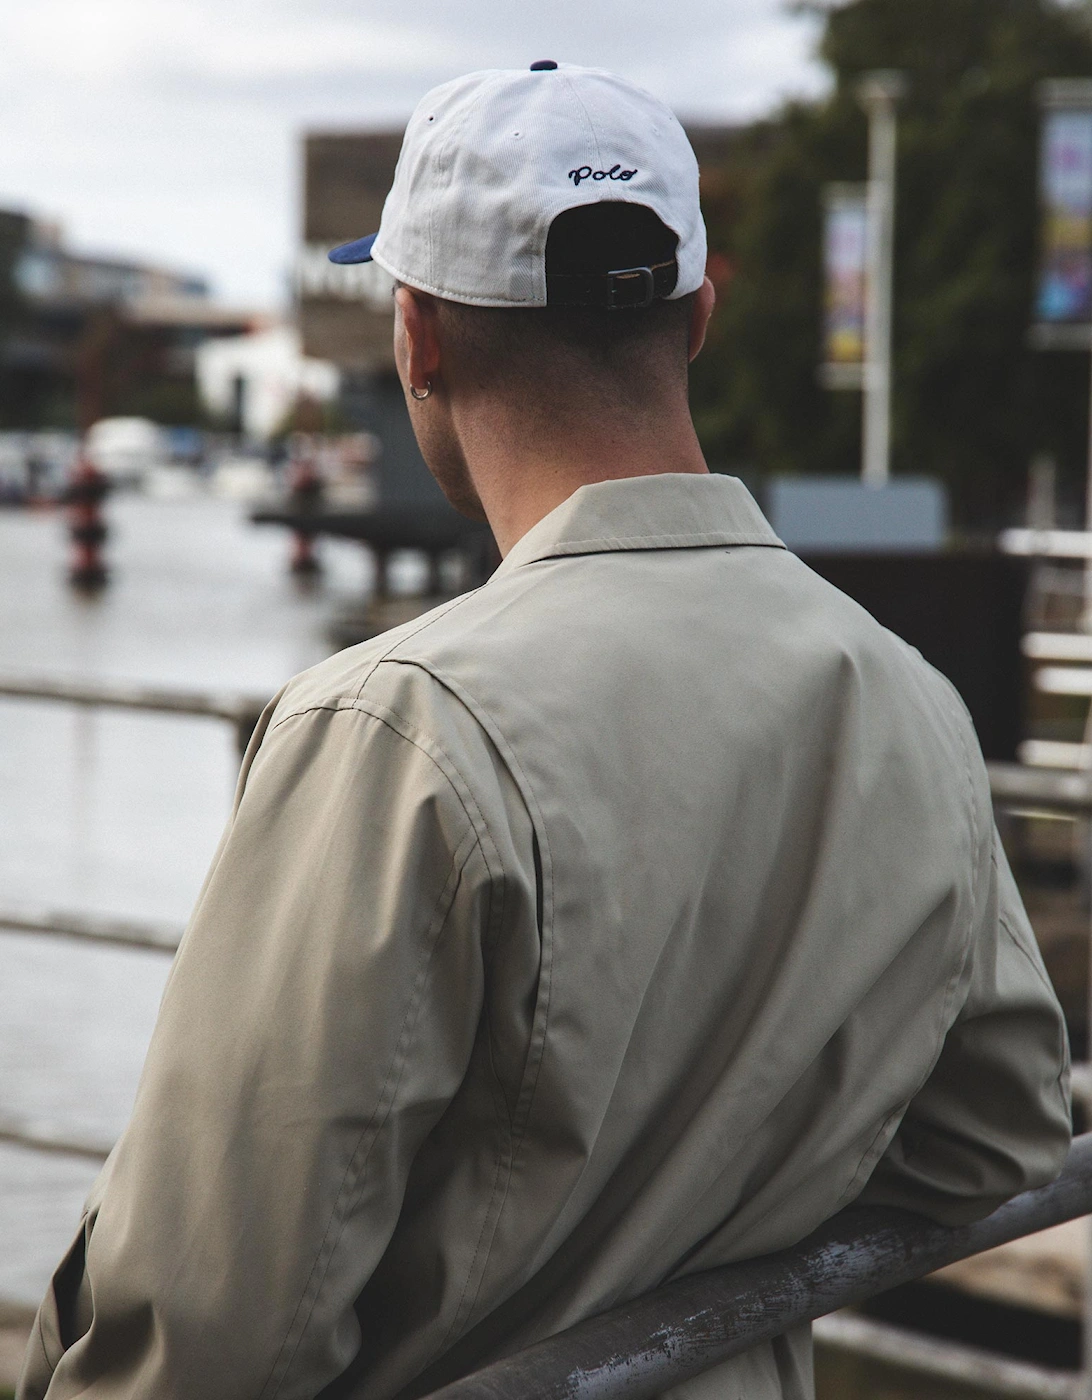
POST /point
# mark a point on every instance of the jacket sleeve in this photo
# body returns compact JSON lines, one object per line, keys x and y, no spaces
{"x":319,"y":1017}
{"x":993,"y":1118}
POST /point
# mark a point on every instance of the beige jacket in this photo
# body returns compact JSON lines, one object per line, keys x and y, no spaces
{"x":627,"y":916}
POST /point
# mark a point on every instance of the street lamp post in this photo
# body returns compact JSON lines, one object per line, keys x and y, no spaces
{"x":878,"y":93}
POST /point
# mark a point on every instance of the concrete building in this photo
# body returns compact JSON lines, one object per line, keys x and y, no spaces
{"x":257,"y":379}
{"x":85,"y":337}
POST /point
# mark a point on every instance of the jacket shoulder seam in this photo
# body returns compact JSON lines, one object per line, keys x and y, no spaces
{"x":537,"y":1048}
{"x":428,"y":620}
{"x":410,"y":734}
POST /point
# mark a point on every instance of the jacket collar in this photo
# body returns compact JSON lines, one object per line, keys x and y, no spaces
{"x":669,"y":511}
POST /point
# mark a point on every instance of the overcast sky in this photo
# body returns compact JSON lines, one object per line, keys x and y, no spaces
{"x":169,"y":129}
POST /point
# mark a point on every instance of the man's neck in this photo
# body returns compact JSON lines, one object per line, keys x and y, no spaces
{"x":520,"y":477}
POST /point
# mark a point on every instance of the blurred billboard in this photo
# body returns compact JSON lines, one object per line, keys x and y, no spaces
{"x":1063,"y":293}
{"x":1065,"y":278}
{"x":845,"y":253}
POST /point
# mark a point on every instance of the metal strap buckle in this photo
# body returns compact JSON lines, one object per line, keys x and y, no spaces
{"x":630,"y":288}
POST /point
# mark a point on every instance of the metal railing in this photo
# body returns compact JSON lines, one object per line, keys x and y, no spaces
{"x":19,"y":1132}
{"x":676,"y":1332}
{"x":242,"y":711}
{"x":696,"y":1323}
{"x":1016,"y":788}
{"x":119,"y":933}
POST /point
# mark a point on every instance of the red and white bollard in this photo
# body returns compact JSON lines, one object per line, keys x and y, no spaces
{"x":304,"y":497}
{"x":86,"y":490}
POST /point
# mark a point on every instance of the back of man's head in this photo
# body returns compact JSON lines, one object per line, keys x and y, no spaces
{"x":545,"y":233}
{"x":556,"y":189}
{"x":574,"y":357}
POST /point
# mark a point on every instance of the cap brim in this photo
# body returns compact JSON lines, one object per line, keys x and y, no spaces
{"x":359,"y":251}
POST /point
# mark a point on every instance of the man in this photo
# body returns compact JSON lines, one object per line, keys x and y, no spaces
{"x":627,"y":916}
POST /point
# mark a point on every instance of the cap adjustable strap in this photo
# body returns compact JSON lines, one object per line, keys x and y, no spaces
{"x":625,"y":288}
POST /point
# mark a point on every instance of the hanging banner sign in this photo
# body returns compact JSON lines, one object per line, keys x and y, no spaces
{"x":1064,"y":293}
{"x":845,"y":251}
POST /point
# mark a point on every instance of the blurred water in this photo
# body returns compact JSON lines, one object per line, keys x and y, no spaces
{"x":116,"y":814}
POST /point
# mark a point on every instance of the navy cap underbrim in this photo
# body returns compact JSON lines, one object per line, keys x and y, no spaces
{"x":360,"y":250}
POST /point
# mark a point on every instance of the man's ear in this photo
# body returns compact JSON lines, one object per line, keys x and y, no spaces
{"x":417,"y":339}
{"x":704,"y":301}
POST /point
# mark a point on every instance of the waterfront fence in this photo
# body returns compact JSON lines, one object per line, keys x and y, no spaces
{"x":676,"y":1332}
{"x":242,"y":711}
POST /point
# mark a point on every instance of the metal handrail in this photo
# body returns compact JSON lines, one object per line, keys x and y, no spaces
{"x":676,"y":1332}
{"x":1047,"y":789}
{"x":120,"y":933}
{"x":242,"y":711}
{"x":19,"y":1132}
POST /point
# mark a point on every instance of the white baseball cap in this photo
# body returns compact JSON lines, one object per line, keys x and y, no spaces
{"x":491,"y":159}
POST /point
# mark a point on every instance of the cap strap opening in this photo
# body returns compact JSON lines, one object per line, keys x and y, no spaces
{"x":624,"y":289}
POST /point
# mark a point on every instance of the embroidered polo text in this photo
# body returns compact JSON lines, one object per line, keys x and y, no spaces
{"x":585,"y":172}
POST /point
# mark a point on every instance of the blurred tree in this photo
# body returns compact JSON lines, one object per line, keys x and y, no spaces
{"x":972,"y":402}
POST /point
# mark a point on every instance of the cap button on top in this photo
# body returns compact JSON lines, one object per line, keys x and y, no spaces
{"x":544,"y":65}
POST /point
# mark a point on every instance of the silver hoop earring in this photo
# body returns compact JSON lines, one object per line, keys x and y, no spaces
{"x":423,"y":393}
